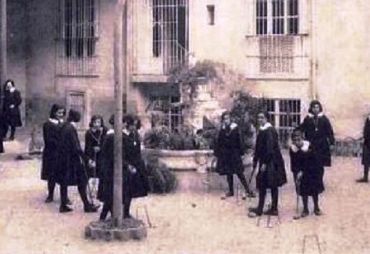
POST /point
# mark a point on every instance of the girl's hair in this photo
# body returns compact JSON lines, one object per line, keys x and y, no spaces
{"x":225,"y":114}
{"x":54,"y":109}
{"x":11,"y":82}
{"x":314,"y":103}
{"x":128,"y":119}
{"x":73,"y":116}
{"x":297,"y":133}
{"x":111,"y":120}
{"x":263,"y":112}
{"x":94,"y":118}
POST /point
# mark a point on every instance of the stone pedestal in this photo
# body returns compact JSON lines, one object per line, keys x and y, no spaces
{"x":131,"y":229}
{"x":205,"y":105}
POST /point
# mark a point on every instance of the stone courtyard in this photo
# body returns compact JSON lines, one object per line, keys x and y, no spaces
{"x":189,"y":221}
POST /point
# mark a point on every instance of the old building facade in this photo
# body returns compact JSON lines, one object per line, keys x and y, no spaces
{"x":291,"y":51}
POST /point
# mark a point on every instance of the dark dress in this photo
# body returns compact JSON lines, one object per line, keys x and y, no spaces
{"x":2,"y":132}
{"x":306,"y":161}
{"x":267,"y":152}
{"x":13,"y":115}
{"x":71,"y":170}
{"x":229,"y":150}
{"x":94,"y":139}
{"x":366,"y":145}
{"x":51,"y":133}
{"x":319,"y":132}
{"x":134,"y":184}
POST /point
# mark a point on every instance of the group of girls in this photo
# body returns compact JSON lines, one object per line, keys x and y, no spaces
{"x":310,"y":152}
{"x":65,"y":163}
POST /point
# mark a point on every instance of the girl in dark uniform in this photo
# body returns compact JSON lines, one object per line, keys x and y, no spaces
{"x":307,"y":171}
{"x":366,"y":152}
{"x":135,"y":183}
{"x":271,"y":174}
{"x":319,"y":132}
{"x":228,"y":151}
{"x":71,"y":171}
{"x":12,"y":101}
{"x":3,"y":126}
{"x":51,"y":133}
{"x":93,"y":143}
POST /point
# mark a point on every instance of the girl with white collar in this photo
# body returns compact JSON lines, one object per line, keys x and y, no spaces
{"x":228,"y":151}
{"x":318,"y":131}
{"x":51,"y":134}
{"x":271,"y":174}
{"x":72,"y":171}
{"x":307,"y":171}
{"x":12,"y":101}
{"x":135,"y":182}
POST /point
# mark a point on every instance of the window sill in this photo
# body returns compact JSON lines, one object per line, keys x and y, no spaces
{"x":77,"y":75}
{"x":277,"y":77}
{"x":275,"y":35}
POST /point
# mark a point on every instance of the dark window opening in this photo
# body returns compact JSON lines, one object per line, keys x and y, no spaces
{"x":211,"y":14}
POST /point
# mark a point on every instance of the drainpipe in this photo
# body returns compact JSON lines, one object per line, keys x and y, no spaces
{"x":313,"y":57}
{"x":3,"y":50}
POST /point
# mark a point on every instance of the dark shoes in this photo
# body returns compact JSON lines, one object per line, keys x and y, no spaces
{"x":127,"y":216}
{"x":49,"y":199}
{"x":69,"y":202}
{"x":254,"y":211}
{"x":90,"y":208}
{"x":362,"y":180}
{"x":317,"y":212}
{"x":304,"y":213}
{"x":227,"y":195}
{"x":65,"y":209}
{"x":251,"y":194}
{"x":271,"y":212}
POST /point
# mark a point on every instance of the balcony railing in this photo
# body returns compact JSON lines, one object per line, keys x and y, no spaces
{"x":277,"y":56}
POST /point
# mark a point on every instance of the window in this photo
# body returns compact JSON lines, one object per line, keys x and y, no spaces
{"x":78,"y":33}
{"x":285,"y":115}
{"x":76,"y":101}
{"x":170,"y":32}
{"x":277,"y":17}
{"x":172,"y":115}
{"x":211,"y":14}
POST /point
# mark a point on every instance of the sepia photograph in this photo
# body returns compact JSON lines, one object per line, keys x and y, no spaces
{"x":184,"y":126}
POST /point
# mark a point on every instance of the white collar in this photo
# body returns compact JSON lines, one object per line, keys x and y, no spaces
{"x":125,"y":131}
{"x":232,"y":126}
{"x":110,"y":131}
{"x":265,"y":126}
{"x":12,"y":89}
{"x":54,"y":121}
{"x":74,"y":124}
{"x":304,"y":148}
{"x":321,"y":114}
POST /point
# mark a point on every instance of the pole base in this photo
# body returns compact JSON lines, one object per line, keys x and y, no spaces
{"x":131,"y":229}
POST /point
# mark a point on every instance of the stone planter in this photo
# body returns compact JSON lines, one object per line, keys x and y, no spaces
{"x":184,"y":160}
{"x":193,"y":168}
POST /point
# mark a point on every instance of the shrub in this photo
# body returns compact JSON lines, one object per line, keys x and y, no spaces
{"x":161,"y":179}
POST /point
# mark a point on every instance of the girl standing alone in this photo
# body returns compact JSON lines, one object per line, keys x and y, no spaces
{"x":271,"y":174}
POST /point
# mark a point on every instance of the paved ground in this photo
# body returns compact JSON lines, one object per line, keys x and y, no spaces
{"x":190,"y":221}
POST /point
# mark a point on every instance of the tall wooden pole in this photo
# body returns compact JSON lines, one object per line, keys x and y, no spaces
{"x":118,"y":89}
{"x":3,"y":50}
